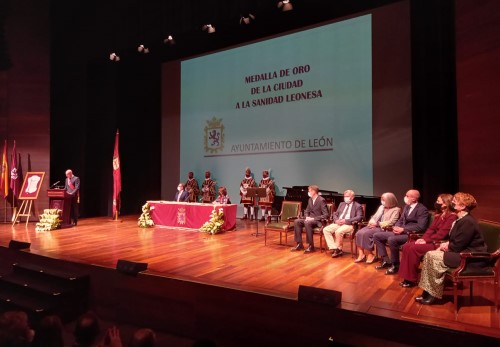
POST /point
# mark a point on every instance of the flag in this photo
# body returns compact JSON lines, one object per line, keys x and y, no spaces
{"x":4,"y":184}
{"x":15,"y":180}
{"x":117,"y":178}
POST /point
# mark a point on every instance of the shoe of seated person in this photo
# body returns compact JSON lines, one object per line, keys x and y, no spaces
{"x":407,"y":284}
{"x":298,"y":247}
{"x":337,"y":253}
{"x":310,"y":249}
{"x":385,"y":264}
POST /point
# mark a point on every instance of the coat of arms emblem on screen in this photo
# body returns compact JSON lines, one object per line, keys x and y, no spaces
{"x":214,"y":136}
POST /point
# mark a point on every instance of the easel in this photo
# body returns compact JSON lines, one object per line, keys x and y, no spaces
{"x":29,"y":193}
{"x":256,"y":193}
{"x":24,"y":211}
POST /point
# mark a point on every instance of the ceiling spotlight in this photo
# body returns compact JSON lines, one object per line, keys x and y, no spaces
{"x":114,"y":57}
{"x":209,"y":28}
{"x":169,"y":40}
{"x":285,"y":5}
{"x":142,"y":49}
{"x":247,"y":19}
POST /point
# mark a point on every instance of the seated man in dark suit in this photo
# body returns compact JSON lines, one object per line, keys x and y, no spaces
{"x":414,"y":218}
{"x":181,"y":194}
{"x":316,"y":211}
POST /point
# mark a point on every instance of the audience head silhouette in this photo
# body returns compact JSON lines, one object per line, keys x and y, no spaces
{"x":86,"y":330}
{"x":143,"y":338}
{"x":49,"y":333}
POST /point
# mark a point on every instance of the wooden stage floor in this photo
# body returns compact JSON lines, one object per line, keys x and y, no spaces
{"x":238,"y":260}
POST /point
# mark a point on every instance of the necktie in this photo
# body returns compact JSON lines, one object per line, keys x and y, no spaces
{"x":71,"y":185}
{"x":342,"y":216}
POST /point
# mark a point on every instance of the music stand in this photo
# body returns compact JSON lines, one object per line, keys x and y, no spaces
{"x":256,"y":193}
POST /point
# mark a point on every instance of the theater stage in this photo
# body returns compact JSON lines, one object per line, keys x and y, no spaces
{"x":240,"y":261}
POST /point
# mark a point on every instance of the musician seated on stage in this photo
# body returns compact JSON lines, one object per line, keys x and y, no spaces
{"x":223,"y":198}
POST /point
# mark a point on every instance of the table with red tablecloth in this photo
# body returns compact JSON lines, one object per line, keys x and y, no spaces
{"x":189,"y":215}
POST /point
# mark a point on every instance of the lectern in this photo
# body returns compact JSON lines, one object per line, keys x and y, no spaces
{"x":60,"y":199}
{"x":257,"y":193}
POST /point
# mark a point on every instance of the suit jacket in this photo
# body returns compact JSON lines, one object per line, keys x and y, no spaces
{"x":356,"y":214}
{"x":318,"y":210}
{"x":76,"y":184}
{"x":465,"y":236}
{"x":184,"y":196}
{"x":417,"y":221}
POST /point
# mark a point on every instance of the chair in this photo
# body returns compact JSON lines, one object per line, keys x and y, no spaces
{"x":464,"y":272}
{"x":290,"y":211}
{"x":356,"y":226}
{"x":319,"y":230}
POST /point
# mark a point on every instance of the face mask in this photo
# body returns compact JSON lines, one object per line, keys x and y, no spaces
{"x":438,"y":206}
{"x":406,"y":200}
{"x":382,"y":202}
{"x":309,"y":194}
{"x":347,"y":200}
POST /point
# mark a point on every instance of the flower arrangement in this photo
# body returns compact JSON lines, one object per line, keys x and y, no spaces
{"x":49,"y":220}
{"x":215,"y":223}
{"x":145,"y":220}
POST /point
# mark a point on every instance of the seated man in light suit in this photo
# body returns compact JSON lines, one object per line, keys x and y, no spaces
{"x":181,"y":194}
{"x":414,"y":218}
{"x":315,"y":212}
{"x":349,"y":211}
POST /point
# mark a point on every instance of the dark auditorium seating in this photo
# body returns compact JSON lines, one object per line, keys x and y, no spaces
{"x":41,"y":289}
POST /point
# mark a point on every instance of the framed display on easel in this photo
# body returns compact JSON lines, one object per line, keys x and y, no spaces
{"x":31,"y":185}
{"x":29,"y":192}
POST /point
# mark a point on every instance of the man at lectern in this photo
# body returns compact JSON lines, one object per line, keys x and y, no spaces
{"x":72,"y":187}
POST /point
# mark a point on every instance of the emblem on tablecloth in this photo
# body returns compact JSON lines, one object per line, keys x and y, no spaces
{"x":181,"y":215}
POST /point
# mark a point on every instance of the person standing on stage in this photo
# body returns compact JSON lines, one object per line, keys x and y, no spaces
{"x":208,"y":188}
{"x":181,"y":195}
{"x":192,"y":187}
{"x":247,"y":201}
{"x":72,"y":187}
{"x":266,"y":203}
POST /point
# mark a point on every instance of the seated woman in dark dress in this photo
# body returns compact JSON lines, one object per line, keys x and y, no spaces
{"x":465,"y":236}
{"x":437,"y":231}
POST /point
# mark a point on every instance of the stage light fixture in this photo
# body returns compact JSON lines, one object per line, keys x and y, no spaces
{"x":114,"y":57}
{"x":247,"y":19}
{"x":285,"y":5}
{"x":142,"y":49}
{"x":169,"y":40}
{"x":208,"y":28}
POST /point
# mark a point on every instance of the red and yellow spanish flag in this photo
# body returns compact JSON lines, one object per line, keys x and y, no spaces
{"x":4,"y":183}
{"x":117,"y":179}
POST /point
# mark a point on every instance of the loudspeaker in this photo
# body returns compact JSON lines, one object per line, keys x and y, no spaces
{"x":130,"y":267}
{"x":13,"y":244}
{"x":319,"y":295}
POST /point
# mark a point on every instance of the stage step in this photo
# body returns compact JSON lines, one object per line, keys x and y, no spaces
{"x":40,"y":290}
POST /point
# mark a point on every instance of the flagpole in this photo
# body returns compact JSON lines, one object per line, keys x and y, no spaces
{"x":117,"y":184}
